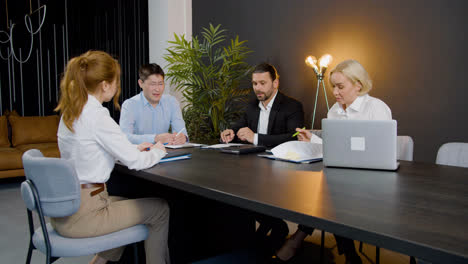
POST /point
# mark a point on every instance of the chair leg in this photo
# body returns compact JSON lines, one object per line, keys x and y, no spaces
{"x":412,"y":260}
{"x":322,"y":247}
{"x":377,"y":255}
{"x":135,"y":253}
{"x":30,"y":249}
{"x":31,"y":232}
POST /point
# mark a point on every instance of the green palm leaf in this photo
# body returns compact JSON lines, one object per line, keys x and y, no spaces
{"x":213,"y":80}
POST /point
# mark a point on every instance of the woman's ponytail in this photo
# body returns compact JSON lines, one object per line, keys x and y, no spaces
{"x":83,"y":75}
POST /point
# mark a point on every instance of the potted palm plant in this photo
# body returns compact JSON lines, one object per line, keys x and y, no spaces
{"x":212,"y":78}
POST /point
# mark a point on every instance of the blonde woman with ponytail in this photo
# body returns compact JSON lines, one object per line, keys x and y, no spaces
{"x":90,"y":139}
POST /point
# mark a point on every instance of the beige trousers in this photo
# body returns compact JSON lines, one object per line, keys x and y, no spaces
{"x":102,"y":214}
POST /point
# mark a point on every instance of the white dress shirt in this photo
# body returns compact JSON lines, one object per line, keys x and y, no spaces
{"x":364,"y":107}
{"x":262,"y":127}
{"x":141,"y":122}
{"x":97,"y":143}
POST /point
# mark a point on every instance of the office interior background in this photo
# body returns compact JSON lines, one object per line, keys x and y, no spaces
{"x":415,"y":52}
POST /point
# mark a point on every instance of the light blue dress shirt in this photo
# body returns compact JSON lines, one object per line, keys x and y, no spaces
{"x":141,"y":122}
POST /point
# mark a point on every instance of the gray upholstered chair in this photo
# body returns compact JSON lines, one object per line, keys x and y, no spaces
{"x":405,"y":146}
{"x":453,"y":154}
{"x":52,"y":189}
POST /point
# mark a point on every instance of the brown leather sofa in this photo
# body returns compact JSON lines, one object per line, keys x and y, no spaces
{"x":19,"y":134}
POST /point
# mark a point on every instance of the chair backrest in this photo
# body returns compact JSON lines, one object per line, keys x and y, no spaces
{"x":56,"y":182}
{"x":405,"y":146}
{"x":454,"y":154}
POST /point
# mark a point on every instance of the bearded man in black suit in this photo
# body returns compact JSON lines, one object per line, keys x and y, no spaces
{"x":269,"y":120}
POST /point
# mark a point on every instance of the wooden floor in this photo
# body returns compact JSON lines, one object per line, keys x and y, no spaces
{"x":311,"y":251}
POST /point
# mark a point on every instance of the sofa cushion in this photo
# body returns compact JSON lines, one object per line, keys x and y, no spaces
{"x":4,"y":142}
{"x":10,"y":159}
{"x":11,"y":173}
{"x":33,"y":129}
{"x":47,"y":149}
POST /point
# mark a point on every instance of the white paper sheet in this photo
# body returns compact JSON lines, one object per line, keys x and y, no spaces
{"x":315,"y":139}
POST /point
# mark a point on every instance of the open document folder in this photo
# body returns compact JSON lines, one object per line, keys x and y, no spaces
{"x":297,"y":152}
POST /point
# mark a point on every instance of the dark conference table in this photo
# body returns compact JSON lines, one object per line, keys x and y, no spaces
{"x":420,"y":210}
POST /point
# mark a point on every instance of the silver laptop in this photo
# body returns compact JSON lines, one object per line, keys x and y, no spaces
{"x":368,"y":144}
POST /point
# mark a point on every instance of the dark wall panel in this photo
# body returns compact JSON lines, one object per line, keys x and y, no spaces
{"x":415,"y":52}
{"x":31,"y":86}
{"x":71,"y":28}
{"x":119,"y":27}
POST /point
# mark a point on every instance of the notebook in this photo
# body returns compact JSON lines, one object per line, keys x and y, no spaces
{"x":243,"y":149}
{"x":368,"y":144}
{"x":176,"y":155}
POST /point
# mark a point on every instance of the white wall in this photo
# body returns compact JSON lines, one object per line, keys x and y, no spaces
{"x":166,"y":17}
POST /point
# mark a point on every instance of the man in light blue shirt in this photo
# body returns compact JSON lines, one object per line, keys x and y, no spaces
{"x":147,"y":116}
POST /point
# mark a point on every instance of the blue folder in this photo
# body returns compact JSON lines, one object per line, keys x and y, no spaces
{"x":176,"y":155}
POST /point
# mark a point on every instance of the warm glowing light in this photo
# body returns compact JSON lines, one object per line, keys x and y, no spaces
{"x":311,"y":61}
{"x":323,"y":63}
{"x":325,"y":60}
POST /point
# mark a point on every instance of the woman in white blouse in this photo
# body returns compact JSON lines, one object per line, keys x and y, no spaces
{"x":92,"y":141}
{"x":351,"y":85}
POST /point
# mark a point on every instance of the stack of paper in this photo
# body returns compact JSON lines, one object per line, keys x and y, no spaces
{"x":297,"y":152}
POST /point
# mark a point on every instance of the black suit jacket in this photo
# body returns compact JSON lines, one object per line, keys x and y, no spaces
{"x":285,"y":116}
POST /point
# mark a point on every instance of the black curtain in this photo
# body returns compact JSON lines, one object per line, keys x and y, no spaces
{"x":70,"y":28}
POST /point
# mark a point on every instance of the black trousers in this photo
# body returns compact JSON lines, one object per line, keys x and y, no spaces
{"x":345,"y":245}
{"x":279,"y":231}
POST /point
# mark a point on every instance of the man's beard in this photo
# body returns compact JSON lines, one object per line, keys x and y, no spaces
{"x":265,"y":97}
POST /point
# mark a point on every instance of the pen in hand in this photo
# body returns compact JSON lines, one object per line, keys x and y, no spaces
{"x":174,"y":139}
{"x":297,"y":133}
{"x":180,"y":131}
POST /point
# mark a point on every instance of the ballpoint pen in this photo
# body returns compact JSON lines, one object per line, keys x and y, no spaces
{"x":180,"y":131}
{"x":297,"y":133}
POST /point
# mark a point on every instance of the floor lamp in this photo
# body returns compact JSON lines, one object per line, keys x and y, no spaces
{"x":319,"y":70}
